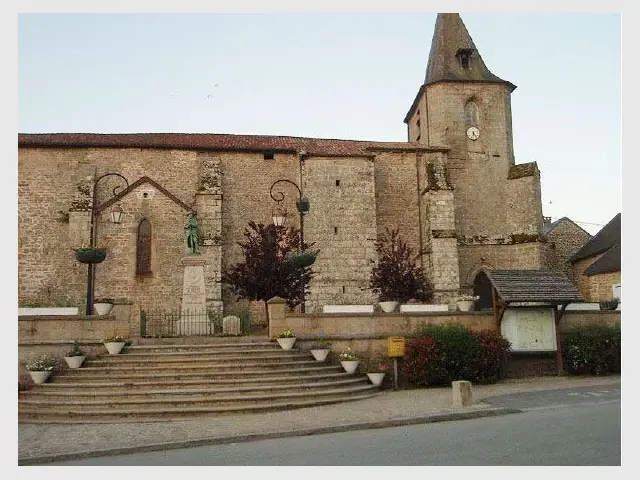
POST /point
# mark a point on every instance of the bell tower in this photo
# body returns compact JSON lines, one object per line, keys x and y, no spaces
{"x":462,"y":105}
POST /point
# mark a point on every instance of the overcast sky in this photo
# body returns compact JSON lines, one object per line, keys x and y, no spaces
{"x":331,"y":75}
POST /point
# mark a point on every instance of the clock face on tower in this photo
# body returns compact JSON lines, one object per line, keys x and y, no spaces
{"x":473,"y":133}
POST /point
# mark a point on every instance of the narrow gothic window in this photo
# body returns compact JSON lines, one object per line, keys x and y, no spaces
{"x":471,"y":114}
{"x":143,"y":248}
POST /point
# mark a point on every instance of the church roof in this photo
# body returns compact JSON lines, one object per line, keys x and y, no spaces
{"x":533,"y":286}
{"x":218,"y":142}
{"x":450,"y":36}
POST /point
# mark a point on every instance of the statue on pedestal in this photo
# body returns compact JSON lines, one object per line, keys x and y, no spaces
{"x":192,"y":234}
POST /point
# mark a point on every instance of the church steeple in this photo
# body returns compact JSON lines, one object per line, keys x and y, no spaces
{"x":454,"y":57}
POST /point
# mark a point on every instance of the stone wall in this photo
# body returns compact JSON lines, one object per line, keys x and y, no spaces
{"x":564,"y":240}
{"x":594,"y":288}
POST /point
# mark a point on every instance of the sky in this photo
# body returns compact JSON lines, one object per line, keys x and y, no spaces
{"x":331,"y":75}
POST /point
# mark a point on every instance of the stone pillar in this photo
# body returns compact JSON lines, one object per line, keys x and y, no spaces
{"x":462,"y":395}
{"x":193,"y":320}
{"x":277,"y":322}
{"x":209,"y":208}
{"x":441,"y":234}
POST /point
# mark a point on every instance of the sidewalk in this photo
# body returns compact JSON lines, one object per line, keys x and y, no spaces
{"x":41,"y":443}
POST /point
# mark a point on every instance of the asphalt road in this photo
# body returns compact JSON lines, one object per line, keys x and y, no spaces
{"x":562,"y":427}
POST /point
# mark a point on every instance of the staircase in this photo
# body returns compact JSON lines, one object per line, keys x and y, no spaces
{"x":148,"y":383}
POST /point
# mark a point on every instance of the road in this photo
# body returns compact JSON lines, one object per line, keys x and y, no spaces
{"x":562,"y":427}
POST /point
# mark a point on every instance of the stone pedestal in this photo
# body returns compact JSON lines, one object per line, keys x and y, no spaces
{"x":193,"y":319}
{"x":462,"y":395}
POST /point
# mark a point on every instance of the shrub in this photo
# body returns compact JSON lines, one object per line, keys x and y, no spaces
{"x":397,"y":276}
{"x":594,"y":349}
{"x":440,"y":354}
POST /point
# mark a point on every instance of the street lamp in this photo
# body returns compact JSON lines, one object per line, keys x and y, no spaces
{"x":116,"y":217}
{"x":279,"y":216}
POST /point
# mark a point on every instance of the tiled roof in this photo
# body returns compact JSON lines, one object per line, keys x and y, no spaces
{"x":607,"y":263}
{"x":533,"y":286}
{"x":606,"y":238}
{"x":218,"y":142}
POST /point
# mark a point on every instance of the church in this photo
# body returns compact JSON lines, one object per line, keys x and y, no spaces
{"x":453,"y":189}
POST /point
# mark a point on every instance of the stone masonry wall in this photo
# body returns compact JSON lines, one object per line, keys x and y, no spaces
{"x":342,"y":223}
{"x":596,"y":288}
{"x":564,"y":241}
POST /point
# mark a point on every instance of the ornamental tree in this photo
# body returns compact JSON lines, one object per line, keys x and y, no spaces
{"x":265,"y":271}
{"x":396,"y":276}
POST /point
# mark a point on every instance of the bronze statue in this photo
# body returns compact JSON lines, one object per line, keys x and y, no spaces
{"x":192,"y":233}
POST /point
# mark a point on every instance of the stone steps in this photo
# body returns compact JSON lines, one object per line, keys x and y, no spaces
{"x":63,"y":392}
{"x":164,"y":382}
{"x":149,"y":414}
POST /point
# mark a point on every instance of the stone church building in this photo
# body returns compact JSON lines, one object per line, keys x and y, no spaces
{"x":453,"y":189}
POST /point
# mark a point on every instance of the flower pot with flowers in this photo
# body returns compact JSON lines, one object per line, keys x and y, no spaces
{"x":349,"y":361}
{"x":75,"y":356}
{"x":377,"y":370}
{"x":465,"y":302}
{"x":114,"y":343}
{"x":320,"y":348}
{"x":41,"y":368}
{"x":286,"y":339}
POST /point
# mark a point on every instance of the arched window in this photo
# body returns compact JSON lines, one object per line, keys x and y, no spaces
{"x":143,"y":248}
{"x":471,"y":114}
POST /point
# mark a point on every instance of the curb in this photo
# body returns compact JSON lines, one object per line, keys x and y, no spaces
{"x":433,"y":418}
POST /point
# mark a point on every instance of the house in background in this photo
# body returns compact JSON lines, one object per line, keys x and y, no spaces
{"x":596,"y":266}
{"x":564,"y":239}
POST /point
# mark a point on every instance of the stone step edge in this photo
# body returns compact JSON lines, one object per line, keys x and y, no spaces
{"x":181,"y":414}
{"x":237,"y":398}
{"x":238,"y":353}
{"x":199,"y":367}
{"x":206,"y":345}
{"x":257,"y":379}
{"x":221,"y":376}
{"x":184,"y":391}
{"x":193,"y":359}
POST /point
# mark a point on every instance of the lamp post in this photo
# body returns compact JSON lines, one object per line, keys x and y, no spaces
{"x":116,"y":217}
{"x":279,"y":216}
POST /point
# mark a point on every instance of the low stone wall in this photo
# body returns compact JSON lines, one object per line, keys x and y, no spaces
{"x":367,"y":334}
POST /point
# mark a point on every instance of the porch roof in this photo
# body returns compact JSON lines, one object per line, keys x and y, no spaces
{"x":533,"y":286}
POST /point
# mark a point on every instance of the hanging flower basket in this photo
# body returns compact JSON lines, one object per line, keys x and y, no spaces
{"x":302,"y":204}
{"x":91,"y":255}
{"x":301,"y":259}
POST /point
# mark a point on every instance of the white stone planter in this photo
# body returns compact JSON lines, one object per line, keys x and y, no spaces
{"x":48,"y":311}
{"x":114,"y":348}
{"x":320,"y":354}
{"x":40,"y":377}
{"x":465,"y":305}
{"x":74,"y":362}
{"x":347,"y":309}
{"x":350,"y":366}
{"x":388,"y":307}
{"x":103,"y":308}
{"x":422,"y":308}
{"x":286,"y":343}
{"x":376,"y":378}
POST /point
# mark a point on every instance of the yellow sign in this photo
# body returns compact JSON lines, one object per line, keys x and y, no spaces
{"x":395,"y":346}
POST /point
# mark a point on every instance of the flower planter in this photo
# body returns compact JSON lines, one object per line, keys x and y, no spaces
{"x":40,"y":376}
{"x":389,"y":306}
{"x":465,"y":305}
{"x":301,"y":260}
{"x":350,"y":366}
{"x":422,"y":308}
{"x":287,"y":342}
{"x":114,"y":348}
{"x":102,"y":308}
{"x":91,"y":255}
{"x":376,"y":378}
{"x":47,"y":311}
{"x":74,"y":362}
{"x":320,"y":354}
